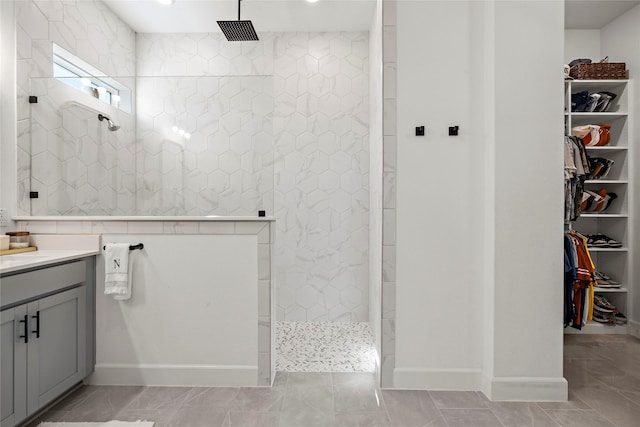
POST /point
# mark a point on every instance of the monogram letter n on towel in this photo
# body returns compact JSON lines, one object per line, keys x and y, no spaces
{"x":117,"y":278}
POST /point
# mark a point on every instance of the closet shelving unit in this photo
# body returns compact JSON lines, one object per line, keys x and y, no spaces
{"x":615,"y":222}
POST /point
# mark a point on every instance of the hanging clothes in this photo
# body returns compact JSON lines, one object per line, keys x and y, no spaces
{"x":569,"y":280}
{"x":579,"y":281}
{"x":576,"y":170}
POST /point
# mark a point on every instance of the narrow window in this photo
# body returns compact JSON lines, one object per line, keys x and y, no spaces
{"x":81,"y":75}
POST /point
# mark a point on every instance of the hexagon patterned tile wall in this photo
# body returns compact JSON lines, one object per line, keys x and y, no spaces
{"x":321,"y":121}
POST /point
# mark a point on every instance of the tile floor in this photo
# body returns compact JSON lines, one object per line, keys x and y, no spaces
{"x":604,"y":390}
{"x":324,"y":347}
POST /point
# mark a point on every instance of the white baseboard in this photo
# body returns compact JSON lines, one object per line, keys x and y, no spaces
{"x":634,"y":328}
{"x":175,"y":375}
{"x":526,"y":389}
{"x":497,"y":389}
{"x":437,"y":379}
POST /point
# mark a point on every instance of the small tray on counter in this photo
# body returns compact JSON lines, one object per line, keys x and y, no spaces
{"x":19,"y":250}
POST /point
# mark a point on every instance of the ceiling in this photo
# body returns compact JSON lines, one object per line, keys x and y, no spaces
{"x":196,"y":16}
{"x":200,"y":16}
{"x":594,"y":14}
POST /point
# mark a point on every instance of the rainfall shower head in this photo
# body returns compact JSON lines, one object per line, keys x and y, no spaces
{"x":110,"y":125}
{"x":238,"y":31}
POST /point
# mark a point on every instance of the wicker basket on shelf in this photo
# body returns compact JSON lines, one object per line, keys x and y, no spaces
{"x":599,"y":71}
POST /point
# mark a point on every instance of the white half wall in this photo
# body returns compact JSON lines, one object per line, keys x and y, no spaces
{"x":193,"y":316}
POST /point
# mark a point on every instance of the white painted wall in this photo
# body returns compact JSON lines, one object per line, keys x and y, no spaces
{"x":483,"y":124}
{"x":582,"y":44}
{"x":190,"y":321}
{"x":449,"y":304}
{"x":439,"y":314}
{"x":528,"y":166}
{"x":621,"y":41}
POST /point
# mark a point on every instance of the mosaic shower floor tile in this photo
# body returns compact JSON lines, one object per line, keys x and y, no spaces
{"x":324,"y":347}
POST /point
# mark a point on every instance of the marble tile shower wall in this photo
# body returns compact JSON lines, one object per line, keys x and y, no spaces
{"x":375,"y":180}
{"x":202,"y":54}
{"x":321,"y":130}
{"x":89,"y":30}
{"x":389,"y":130}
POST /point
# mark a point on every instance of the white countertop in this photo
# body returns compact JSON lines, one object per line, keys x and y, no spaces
{"x":52,"y":249}
{"x":27,"y":260}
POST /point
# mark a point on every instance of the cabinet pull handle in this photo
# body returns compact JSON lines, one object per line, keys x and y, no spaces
{"x":37,"y":317}
{"x":25,"y":320}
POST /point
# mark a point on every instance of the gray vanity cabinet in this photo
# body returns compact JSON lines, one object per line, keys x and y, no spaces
{"x":13,"y":358}
{"x":53,"y":354}
{"x":56,"y":350}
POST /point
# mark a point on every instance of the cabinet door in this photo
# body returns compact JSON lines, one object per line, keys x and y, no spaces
{"x":13,"y":361}
{"x":57,"y":348}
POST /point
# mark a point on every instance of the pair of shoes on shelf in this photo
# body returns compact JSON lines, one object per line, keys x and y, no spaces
{"x":602,"y":305}
{"x":596,"y":201}
{"x":586,"y":102}
{"x":603,"y":318}
{"x":620,"y":319}
{"x":600,"y":167}
{"x":604,"y":281}
{"x":600,"y":240}
{"x":615,"y":319}
{"x":589,"y":102}
{"x":605,"y":312}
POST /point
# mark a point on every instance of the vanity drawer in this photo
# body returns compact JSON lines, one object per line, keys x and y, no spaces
{"x":22,"y":287}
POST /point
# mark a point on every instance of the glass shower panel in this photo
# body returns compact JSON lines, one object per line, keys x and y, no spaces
{"x":205,"y":145}
{"x":81,"y":152}
{"x":196,"y":146}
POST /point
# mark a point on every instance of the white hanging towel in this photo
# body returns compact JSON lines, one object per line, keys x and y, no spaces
{"x":117,"y":277}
